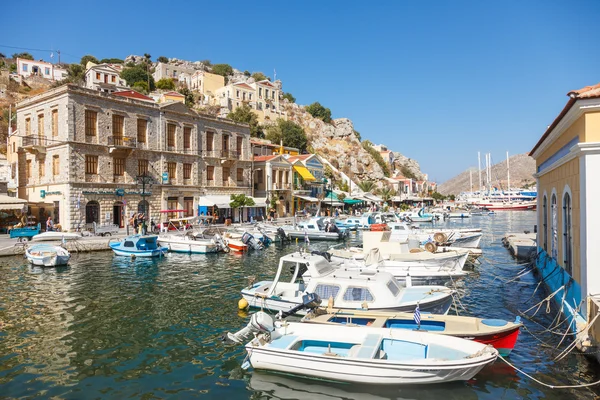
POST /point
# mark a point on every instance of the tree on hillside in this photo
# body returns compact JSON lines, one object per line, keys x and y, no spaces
{"x":206,"y":63}
{"x":366,"y":186}
{"x":368,"y":146}
{"x":147,"y":58}
{"x":162,"y":59}
{"x":86,"y":58}
{"x":141,"y":87}
{"x":137,"y":73}
{"x":357,"y":134}
{"x":246,"y":115}
{"x":289,"y":132}
{"x":165,"y":84}
{"x":290,"y":98}
{"x":385,"y":193}
{"x":111,"y":61}
{"x":75,"y":75}
{"x":222,"y":69}
{"x":259,"y":76}
{"x":407,"y":173}
{"x":2,"y":55}
{"x":189,"y":96}
{"x":438,"y":196}
{"x":24,"y":55}
{"x":318,"y":111}
{"x":247,"y":73}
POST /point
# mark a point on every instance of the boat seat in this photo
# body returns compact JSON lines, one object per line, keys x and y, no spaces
{"x":283,"y":342}
{"x":369,"y":347}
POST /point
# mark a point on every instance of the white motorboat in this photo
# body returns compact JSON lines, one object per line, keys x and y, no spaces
{"x":55,"y":235}
{"x":469,"y":238}
{"x":367,"y":355}
{"x":313,"y":229}
{"x":348,"y":289}
{"x":191,"y":244}
{"x":46,"y":255}
{"x":416,"y":268}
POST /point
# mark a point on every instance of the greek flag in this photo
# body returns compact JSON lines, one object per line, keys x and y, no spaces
{"x":417,"y":316}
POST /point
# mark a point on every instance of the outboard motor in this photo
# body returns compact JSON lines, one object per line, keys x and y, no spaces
{"x":282,"y":235}
{"x":251,"y":241}
{"x":221,"y":243}
{"x":264,"y":240}
{"x":260,"y":322}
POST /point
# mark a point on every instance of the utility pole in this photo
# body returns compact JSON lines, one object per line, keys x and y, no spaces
{"x":58,"y":52}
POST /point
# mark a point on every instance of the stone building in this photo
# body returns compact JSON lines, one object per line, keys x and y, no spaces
{"x":262,"y":97}
{"x":83,"y":156}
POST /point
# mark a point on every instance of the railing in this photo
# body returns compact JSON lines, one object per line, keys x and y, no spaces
{"x":282,"y":186}
{"x":122,"y":141}
{"x":34,"y":141}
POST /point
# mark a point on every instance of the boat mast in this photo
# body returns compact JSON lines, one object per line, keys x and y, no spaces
{"x":479,"y":167}
{"x":471,"y":179}
{"x":508,"y":176}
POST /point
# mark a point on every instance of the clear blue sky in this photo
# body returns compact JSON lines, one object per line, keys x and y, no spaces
{"x":435,"y":80}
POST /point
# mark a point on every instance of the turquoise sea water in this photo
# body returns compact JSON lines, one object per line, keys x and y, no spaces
{"x":108,"y":327}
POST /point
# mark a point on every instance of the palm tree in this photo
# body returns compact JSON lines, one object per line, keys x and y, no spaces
{"x":386,"y":193}
{"x":366,"y":186}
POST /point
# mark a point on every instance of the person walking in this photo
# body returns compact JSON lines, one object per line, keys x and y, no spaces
{"x":49,"y":224}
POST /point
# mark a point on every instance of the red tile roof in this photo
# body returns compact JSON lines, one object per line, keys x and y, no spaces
{"x":264,"y":158}
{"x":299,"y":157}
{"x":132,"y":94}
{"x":588,"y":92}
{"x":266,"y":83}
{"x":245,"y":86}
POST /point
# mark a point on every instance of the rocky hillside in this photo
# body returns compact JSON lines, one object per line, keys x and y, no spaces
{"x":522,"y":168}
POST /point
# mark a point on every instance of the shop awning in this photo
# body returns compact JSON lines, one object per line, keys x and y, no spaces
{"x":352,"y":201}
{"x":304,"y":173}
{"x":307,"y":198}
{"x":11,"y":203}
{"x":259,"y":201}
{"x":332,"y":204}
{"x":211,"y":201}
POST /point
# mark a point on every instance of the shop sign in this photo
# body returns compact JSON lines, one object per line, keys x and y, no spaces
{"x":165,"y":177}
{"x":42,"y":193}
{"x":120,"y":192}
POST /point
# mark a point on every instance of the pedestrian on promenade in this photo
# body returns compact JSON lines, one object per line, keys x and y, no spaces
{"x":49,"y":224}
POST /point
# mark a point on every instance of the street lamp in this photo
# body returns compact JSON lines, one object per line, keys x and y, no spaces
{"x":146,"y":181}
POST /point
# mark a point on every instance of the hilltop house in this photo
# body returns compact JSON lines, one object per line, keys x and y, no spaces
{"x":262,"y":97}
{"x":206,"y":84}
{"x":27,"y":68}
{"x":104,"y":78}
{"x":567,"y":160}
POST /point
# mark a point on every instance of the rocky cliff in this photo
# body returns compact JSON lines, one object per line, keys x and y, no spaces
{"x":522,"y":168}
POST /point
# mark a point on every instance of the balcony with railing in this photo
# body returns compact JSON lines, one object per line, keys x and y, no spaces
{"x":121,"y":144}
{"x":35,"y":144}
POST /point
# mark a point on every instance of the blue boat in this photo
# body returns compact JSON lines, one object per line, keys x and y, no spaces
{"x":138,"y":246}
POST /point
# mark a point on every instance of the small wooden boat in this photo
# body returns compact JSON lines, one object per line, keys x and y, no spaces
{"x":349,"y":289}
{"x":499,"y":333}
{"x":367,"y":355}
{"x":190,"y":244}
{"x":138,"y":246}
{"x":46,"y":255}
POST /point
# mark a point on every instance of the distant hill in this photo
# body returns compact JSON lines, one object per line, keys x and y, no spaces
{"x":522,"y":168}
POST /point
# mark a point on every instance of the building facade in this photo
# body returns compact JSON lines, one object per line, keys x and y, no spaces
{"x":27,"y":68}
{"x":206,"y":84}
{"x":84,"y":156}
{"x":170,"y":71}
{"x":567,"y":166}
{"x":262,"y":97}
{"x":104,"y":78}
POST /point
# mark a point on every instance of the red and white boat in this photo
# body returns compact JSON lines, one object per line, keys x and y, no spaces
{"x":511,"y":206}
{"x":499,"y":333}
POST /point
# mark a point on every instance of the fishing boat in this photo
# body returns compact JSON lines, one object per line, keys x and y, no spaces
{"x":416,"y":216}
{"x":348,"y":289}
{"x":313,"y":229}
{"x":512,"y":206}
{"x":367,"y":355}
{"x":467,"y":237}
{"x":56,"y":235}
{"x":46,"y":255}
{"x":138,"y":246}
{"x":499,"y":333}
{"x":191,"y":244}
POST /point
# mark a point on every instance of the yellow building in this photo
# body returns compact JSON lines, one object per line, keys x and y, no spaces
{"x":171,"y":96}
{"x":567,"y":169}
{"x":207,"y":84}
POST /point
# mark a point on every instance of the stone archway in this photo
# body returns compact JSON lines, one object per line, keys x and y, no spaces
{"x":92,"y":212}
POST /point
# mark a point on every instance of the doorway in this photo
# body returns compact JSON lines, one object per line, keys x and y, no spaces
{"x":118,"y":214}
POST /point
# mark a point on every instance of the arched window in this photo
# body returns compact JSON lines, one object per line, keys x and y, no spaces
{"x":92,"y":212}
{"x":554,"y":226}
{"x":567,"y":234}
{"x":545,"y":226}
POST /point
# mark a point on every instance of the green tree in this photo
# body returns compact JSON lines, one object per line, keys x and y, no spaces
{"x":366,"y":186}
{"x":290,"y":98}
{"x":147,"y":58}
{"x":259,"y":76}
{"x":438,"y":196}
{"x":343,"y":185}
{"x":111,"y":61}
{"x":222,"y":69}
{"x":137,"y":73}
{"x":240,"y":201}
{"x":206,"y":63}
{"x":189,"y":96}
{"x":289,"y":132}
{"x":328,"y":172}
{"x":13,"y":68}
{"x":165,"y":84}
{"x":385,"y":193}
{"x":318,"y":111}
{"x":245,"y":115}
{"x":86,"y":58}
{"x":141,"y":87}
{"x":367,"y":145}
{"x":407,"y":173}
{"x":247,"y":73}
{"x":452,"y":197}
{"x":162,"y":59}
{"x":357,"y":134}
{"x":24,"y":55}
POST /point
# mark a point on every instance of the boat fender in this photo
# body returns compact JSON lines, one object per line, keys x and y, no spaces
{"x":243,"y":304}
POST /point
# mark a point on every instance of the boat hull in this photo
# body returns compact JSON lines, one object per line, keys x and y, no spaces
{"x":161,"y":251}
{"x":189,"y":247}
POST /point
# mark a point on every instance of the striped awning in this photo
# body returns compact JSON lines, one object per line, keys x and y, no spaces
{"x":304,"y":173}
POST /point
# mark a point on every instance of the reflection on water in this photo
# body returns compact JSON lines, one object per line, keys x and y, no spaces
{"x":111,"y":327}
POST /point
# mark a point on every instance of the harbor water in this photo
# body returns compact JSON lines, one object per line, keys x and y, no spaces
{"x":113,"y":328}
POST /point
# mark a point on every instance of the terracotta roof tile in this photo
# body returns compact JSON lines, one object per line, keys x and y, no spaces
{"x":266,"y":83}
{"x":586,"y":92}
{"x":243,"y":85}
{"x":132,"y":94}
{"x":264,"y":158}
